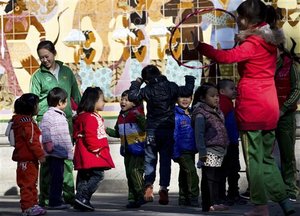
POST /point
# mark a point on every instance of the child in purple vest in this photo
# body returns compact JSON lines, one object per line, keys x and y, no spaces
{"x":130,"y":127}
{"x":211,"y":141}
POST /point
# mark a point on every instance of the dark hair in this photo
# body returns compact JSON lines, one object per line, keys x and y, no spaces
{"x":56,"y":95}
{"x":27,"y":104}
{"x":149,"y":72}
{"x":48,"y":45}
{"x":136,"y":102}
{"x":256,"y":12}
{"x":89,"y":99}
{"x":201,"y":92}
{"x":223,"y":83}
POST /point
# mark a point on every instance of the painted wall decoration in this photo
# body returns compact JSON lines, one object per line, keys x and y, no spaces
{"x":108,"y":42}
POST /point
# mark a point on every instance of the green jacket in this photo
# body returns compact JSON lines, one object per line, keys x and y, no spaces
{"x":42,"y":81}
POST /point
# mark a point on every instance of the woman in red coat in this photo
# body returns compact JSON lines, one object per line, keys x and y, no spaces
{"x":257,"y":109}
{"x":92,"y":154}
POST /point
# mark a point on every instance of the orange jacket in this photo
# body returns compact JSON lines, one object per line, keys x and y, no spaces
{"x":27,"y":137}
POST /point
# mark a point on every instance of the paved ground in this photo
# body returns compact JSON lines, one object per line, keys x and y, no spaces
{"x":107,"y":204}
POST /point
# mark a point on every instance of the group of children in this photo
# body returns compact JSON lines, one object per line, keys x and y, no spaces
{"x":173,"y":131}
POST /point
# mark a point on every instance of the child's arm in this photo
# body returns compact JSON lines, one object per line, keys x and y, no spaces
{"x":188,"y":88}
{"x":32,"y":135}
{"x":141,"y":121}
{"x":199,"y":136}
{"x":294,"y":95}
{"x":135,"y":93}
{"x":113,"y":132}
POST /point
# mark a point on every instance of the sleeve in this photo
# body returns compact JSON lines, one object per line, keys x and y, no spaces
{"x":35,"y":86}
{"x":176,"y":148}
{"x":66,"y":137}
{"x":113,"y":132}
{"x":94,"y":134}
{"x":240,"y":53}
{"x":32,"y":135}
{"x":199,"y":135}
{"x":135,"y":91}
{"x":294,"y":95}
{"x":188,"y":88}
{"x":75,"y":93}
{"x":141,"y":121}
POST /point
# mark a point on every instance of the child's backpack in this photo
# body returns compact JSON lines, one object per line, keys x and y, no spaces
{"x":9,"y":132}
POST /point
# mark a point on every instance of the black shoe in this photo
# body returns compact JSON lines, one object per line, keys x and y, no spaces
{"x":287,"y":207}
{"x":84,"y":204}
{"x":133,"y":205}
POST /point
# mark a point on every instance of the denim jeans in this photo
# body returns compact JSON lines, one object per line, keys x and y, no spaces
{"x":158,"y":141}
{"x":88,"y":181}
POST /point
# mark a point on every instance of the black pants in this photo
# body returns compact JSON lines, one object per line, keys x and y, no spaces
{"x":56,"y":169}
{"x":210,"y":186}
{"x":230,"y":171}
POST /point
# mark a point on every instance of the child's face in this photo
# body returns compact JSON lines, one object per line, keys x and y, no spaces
{"x":229,"y":91}
{"x":184,"y":102}
{"x":99,"y":106}
{"x":212,"y":98}
{"x":125,"y":103}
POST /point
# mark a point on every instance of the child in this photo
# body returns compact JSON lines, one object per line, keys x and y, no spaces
{"x":257,"y":109}
{"x":211,"y":140}
{"x":91,"y":156}
{"x":130,"y":127}
{"x":57,"y":143}
{"x":28,"y":152}
{"x":287,"y":81}
{"x":184,"y":153}
{"x":160,"y":95}
{"x":231,"y":163}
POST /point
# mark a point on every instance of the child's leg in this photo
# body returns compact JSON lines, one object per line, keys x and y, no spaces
{"x":136,"y":166}
{"x":191,"y":181}
{"x":128,"y":168}
{"x":182,"y":184}
{"x":68,"y":183}
{"x":205,"y":192}
{"x":56,"y":168}
{"x":150,"y":159}
{"x":27,"y":174}
{"x":44,"y":182}
{"x":233,"y":171}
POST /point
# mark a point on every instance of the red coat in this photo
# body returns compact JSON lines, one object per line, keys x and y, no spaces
{"x":256,"y":103}
{"x":91,"y":148}
{"x":27,"y":137}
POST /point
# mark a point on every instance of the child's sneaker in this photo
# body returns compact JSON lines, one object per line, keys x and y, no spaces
{"x":163,"y":197}
{"x":34,"y":211}
{"x":148,"y":195}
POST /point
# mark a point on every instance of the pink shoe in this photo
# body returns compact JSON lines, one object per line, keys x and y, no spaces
{"x":34,"y":211}
{"x":219,"y":207}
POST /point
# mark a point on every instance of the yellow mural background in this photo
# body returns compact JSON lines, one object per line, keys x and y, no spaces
{"x":105,"y":19}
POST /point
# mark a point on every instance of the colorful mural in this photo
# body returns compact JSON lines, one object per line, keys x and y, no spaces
{"x":108,"y":42}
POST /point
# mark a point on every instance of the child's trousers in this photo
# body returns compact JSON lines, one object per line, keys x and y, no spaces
{"x":188,"y":178}
{"x":87,"y":182}
{"x":27,"y":176}
{"x":134,"y":166}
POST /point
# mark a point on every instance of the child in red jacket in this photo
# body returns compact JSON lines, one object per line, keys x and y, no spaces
{"x":91,"y":156}
{"x":28,"y":152}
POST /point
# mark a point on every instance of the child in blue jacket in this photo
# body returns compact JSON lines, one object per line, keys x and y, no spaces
{"x":184,"y":153}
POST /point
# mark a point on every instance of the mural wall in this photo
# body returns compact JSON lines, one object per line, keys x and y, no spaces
{"x":108,"y":42}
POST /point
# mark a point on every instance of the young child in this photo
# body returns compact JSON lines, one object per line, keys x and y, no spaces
{"x":184,"y":153}
{"x":257,"y":110}
{"x":211,"y":140}
{"x":28,"y":152}
{"x":92,"y":154}
{"x":130,"y":127}
{"x":57,"y":143}
{"x":160,"y":95}
{"x":231,"y":163}
{"x":287,"y":82}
